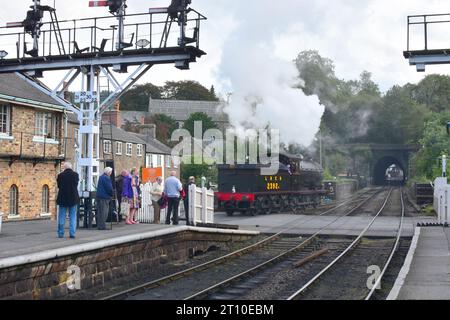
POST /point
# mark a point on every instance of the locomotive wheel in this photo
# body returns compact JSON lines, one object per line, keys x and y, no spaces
{"x":230,"y":213}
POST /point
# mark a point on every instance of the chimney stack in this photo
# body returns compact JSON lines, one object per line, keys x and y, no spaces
{"x":113,"y":116}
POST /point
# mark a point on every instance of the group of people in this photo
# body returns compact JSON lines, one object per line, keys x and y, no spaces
{"x":164,"y":194}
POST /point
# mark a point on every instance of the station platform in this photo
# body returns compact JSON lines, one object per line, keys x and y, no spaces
{"x":426,"y":272}
{"x":31,"y":241}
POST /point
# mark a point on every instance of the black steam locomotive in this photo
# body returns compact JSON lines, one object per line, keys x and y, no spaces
{"x":297,"y":186}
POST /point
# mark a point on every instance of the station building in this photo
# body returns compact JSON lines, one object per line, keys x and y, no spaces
{"x":31,"y":150}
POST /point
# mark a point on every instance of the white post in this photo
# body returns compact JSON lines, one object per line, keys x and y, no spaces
{"x":444,"y":166}
{"x":1,"y":219}
{"x":204,"y":205}
{"x":192,"y":193}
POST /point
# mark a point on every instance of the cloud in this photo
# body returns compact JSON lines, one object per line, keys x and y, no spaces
{"x":356,"y":35}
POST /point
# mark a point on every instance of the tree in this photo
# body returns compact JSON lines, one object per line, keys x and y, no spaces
{"x":198,"y":171}
{"x":399,"y":119}
{"x":434,"y":92}
{"x":187,"y":90}
{"x":207,"y":122}
{"x":435,"y":143}
{"x":165,"y":126}
{"x":137,"y":98}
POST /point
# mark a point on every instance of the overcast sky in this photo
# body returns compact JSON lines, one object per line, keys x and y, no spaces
{"x":356,"y":35}
{"x":250,"y":46}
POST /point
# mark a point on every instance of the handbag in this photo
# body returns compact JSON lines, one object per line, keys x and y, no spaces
{"x":124,"y":208}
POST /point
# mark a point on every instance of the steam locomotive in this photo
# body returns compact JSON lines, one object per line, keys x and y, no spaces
{"x":296,"y":186}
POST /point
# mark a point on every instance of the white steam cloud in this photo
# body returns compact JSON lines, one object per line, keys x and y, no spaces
{"x":263,"y":84}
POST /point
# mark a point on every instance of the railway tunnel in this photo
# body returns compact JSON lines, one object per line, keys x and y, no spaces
{"x":389,"y":171}
{"x":390,"y":163}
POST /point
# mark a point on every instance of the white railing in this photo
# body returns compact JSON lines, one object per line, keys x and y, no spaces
{"x":201,"y":203}
{"x":442,"y":200}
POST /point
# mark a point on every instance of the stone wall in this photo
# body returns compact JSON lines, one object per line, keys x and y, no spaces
{"x":47,"y":279}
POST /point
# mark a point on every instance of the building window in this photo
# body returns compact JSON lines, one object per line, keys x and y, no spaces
{"x":14,"y":201}
{"x":107,"y":147}
{"x":159,"y":161}
{"x":129,"y":150}
{"x":176,"y":162}
{"x":139,"y":150}
{"x":168,"y":164}
{"x":45,"y":199}
{"x":149,"y":161}
{"x":46,"y":125}
{"x":5,"y":119}
{"x":119,"y":148}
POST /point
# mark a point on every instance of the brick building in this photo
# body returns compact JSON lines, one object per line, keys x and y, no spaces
{"x":31,"y":150}
{"x":126,"y":150}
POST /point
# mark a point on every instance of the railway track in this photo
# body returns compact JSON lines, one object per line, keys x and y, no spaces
{"x":265,"y":253}
{"x":353,"y":248}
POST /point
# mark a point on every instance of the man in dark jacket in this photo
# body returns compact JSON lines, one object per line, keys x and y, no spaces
{"x":68,"y":199}
{"x":104,"y":196}
{"x":119,"y":190}
{"x":186,"y":199}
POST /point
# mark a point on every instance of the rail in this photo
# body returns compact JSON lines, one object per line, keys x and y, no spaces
{"x":350,"y":247}
{"x":280,"y":256}
{"x":292,"y":225}
{"x":17,"y":145}
{"x":424,"y":22}
{"x":394,"y":249}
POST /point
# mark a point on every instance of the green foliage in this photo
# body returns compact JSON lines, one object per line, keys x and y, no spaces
{"x":435,"y":143}
{"x":327,"y":175}
{"x":165,"y":126}
{"x":207,"y":122}
{"x":138,"y":97}
{"x":198,"y":171}
{"x":188,"y":90}
{"x":357,"y":112}
{"x":433,"y":92}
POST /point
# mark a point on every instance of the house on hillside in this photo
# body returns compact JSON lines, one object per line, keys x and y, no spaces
{"x":180,"y":110}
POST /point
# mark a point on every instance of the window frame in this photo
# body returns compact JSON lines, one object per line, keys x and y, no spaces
{"x":45,"y":200}
{"x":139,"y":150}
{"x":119,"y":151}
{"x":159,"y":161}
{"x":8,"y":122}
{"x":168,"y":161}
{"x":129,"y":147}
{"x":107,"y":147}
{"x":14,"y":201}
{"x":46,"y":125}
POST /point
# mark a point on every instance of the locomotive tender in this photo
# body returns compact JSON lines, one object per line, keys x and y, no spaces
{"x":242,"y":188}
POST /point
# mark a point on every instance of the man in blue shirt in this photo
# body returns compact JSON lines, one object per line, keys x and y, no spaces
{"x":172,"y":189}
{"x":104,"y":196}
